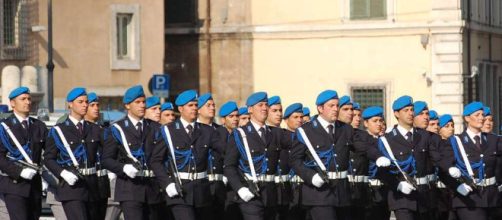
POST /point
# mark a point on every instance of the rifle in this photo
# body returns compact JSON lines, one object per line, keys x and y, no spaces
{"x":468,"y":181}
{"x":407,"y":177}
{"x":323,"y":174}
{"x":253,"y":186}
{"x":176,"y":178}
{"x":25,"y":164}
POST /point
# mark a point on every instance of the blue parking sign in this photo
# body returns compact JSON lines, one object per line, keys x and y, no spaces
{"x":160,"y":85}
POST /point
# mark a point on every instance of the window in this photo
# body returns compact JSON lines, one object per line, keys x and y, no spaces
{"x":125,"y":37}
{"x":369,"y":96}
{"x":368,"y":9}
{"x":111,"y":103}
{"x":10,"y":26}
{"x":14,"y":23}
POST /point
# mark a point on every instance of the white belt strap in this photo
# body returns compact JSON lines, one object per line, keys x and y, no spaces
{"x":16,"y":142}
{"x":464,"y":157}
{"x":311,"y":149}
{"x":66,"y":146}
{"x":248,"y":155}
{"x":171,"y":148}
{"x":389,"y":151}
{"x":125,"y":143}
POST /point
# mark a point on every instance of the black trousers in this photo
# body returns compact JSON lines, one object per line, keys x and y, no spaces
{"x":79,"y":210}
{"x":232,"y":211}
{"x":134,"y":210}
{"x":329,"y":212}
{"x":101,"y":206}
{"x":406,"y":214}
{"x":253,"y":211}
{"x":186,"y":212}
{"x":22,"y":208}
{"x":472,"y":213}
{"x":378,"y":211}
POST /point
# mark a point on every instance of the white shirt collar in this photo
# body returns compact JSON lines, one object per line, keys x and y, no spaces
{"x":471,"y":135}
{"x":186,"y":123}
{"x":325,"y":123}
{"x":210,"y":124}
{"x":256,"y":126}
{"x":20,"y":118}
{"x":75,"y":121}
{"x":372,"y":135}
{"x":134,"y":121}
{"x":403,"y":131}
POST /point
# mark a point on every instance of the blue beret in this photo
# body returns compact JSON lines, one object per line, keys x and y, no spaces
{"x":203,"y":99}
{"x":344,"y":100}
{"x":325,"y":96}
{"x":4,"y":108}
{"x":75,"y":93}
{"x":295,"y":107}
{"x":186,"y":97}
{"x":18,"y":91}
{"x":228,"y":108}
{"x":487,"y":111}
{"x":472,"y":107}
{"x":372,"y":111}
{"x":356,"y":106}
{"x":306,"y":111}
{"x":166,"y":106}
{"x":133,"y":93}
{"x":256,"y":97}
{"x":92,"y":97}
{"x":243,"y":110}
{"x":419,"y":106}
{"x":444,"y":119}
{"x":274,"y":100}
{"x":433,"y":115}
{"x":401,"y":102}
{"x":152,"y":101}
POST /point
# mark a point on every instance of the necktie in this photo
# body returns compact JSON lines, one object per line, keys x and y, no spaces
{"x":331,"y":131}
{"x":190,"y":130}
{"x":409,"y":137}
{"x":25,"y":124}
{"x":477,"y":140}
{"x":139,"y":127}
{"x":80,"y":127}
{"x":262,"y":134}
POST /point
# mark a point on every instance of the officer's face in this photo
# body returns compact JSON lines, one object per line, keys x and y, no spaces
{"x":475,"y":120}
{"x":188,"y":111}
{"x":447,"y":130}
{"x":306,"y":119}
{"x":79,"y":106}
{"x":405,"y":115}
{"x":275,"y":115}
{"x":433,"y":126}
{"x":422,"y":119}
{"x":208,"y":110}
{"x":231,"y":121}
{"x":167,"y":116}
{"x":93,"y":111}
{"x":374,"y":125}
{"x":356,"y":120}
{"x":329,"y":110}
{"x":488,"y":124}
{"x":137,"y":107}
{"x":153,"y":113}
{"x":384,"y":127}
{"x":295,"y":120}
{"x":346,"y":114}
{"x":259,"y":112}
{"x":21,"y":104}
{"x":243,"y":119}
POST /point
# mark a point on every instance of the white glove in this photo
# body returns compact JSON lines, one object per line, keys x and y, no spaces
{"x":69,"y":177}
{"x":111,"y":176}
{"x":464,"y":189}
{"x":245,"y":194}
{"x":28,"y":173}
{"x":45,"y":185}
{"x":382,"y":162}
{"x":130,"y":171}
{"x":405,"y":187}
{"x":454,"y":172}
{"x":225,"y":180}
{"x":500,"y":188}
{"x":317,"y":181}
{"x":171,"y":190}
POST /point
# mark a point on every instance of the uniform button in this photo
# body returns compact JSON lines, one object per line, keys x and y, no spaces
{"x":214,"y":168}
{"x":192,"y":157}
{"x":266,"y":159}
{"x":337,"y":165}
{"x":129,"y":144}
{"x":154,"y":142}
{"x":484,"y":164}
{"x":317,"y":146}
{"x":177,"y":147}
{"x":41,"y":141}
{"x":71,"y":142}
{"x":289,"y":151}
{"x":412,"y":150}
{"x":268,"y":169}
{"x":335,"y":155}
{"x":400,"y":153}
{"x":83,"y":141}
{"x":212,"y":158}
{"x":266,"y":149}
{"x":351,"y":160}
{"x":252,"y":151}
{"x":278,"y":160}
{"x":191,"y":146}
{"x":92,"y":140}
{"x":205,"y":145}
{"x":354,"y":170}
{"x":423,"y":150}
{"x":481,"y":155}
{"x":193,"y":168}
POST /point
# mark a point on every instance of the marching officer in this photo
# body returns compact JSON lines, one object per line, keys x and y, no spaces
{"x":290,"y":184}
{"x":184,"y":146}
{"x":71,"y":154}
{"x":126,"y":155}
{"x":92,"y":116}
{"x":446,"y":130}
{"x":446,"y":126}
{"x":274,"y":117}
{"x":206,"y":110}
{"x":229,"y":114}
{"x":413,"y":156}
{"x":243,"y":116}
{"x":433,"y":125}
{"x":421,"y":115}
{"x":251,"y":161}
{"x":152,"y":105}
{"x":306,"y":114}
{"x":473,"y":161}
{"x":167,"y":113}
{"x":488,"y":123}
{"x":22,"y":142}
{"x":356,"y":120}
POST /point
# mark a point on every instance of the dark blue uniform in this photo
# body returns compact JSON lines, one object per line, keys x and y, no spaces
{"x":22,"y":197}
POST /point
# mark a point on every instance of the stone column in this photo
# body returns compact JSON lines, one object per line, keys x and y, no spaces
{"x":11,"y":79}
